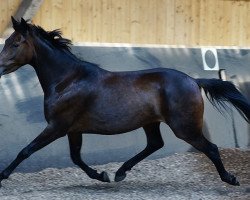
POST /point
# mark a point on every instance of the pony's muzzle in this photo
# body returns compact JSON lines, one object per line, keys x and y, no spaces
{"x":1,"y":71}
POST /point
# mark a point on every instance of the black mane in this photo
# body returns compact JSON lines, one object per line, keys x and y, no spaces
{"x":53,"y":37}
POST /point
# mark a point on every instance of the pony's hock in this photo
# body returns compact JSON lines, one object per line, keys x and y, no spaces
{"x":80,"y":97}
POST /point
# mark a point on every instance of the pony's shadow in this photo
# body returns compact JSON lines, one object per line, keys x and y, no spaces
{"x":160,"y":187}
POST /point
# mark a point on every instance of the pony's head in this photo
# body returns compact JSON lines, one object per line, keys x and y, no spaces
{"x":18,"y":48}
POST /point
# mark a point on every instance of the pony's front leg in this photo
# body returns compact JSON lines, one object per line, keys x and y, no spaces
{"x":75,"y":144}
{"x":50,"y":134}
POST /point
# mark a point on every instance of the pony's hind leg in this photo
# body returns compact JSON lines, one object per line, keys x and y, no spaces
{"x":154,"y":142}
{"x":196,"y":138}
{"x":185,"y":118}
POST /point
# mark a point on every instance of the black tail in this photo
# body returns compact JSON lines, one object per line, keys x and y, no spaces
{"x":219,"y":92}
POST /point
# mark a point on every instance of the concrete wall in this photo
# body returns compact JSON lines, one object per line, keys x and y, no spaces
{"x":21,"y":107}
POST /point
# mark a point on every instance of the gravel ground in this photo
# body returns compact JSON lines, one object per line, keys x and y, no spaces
{"x":180,"y":176}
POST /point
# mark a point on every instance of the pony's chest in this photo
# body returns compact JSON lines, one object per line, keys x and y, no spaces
{"x":67,"y":104}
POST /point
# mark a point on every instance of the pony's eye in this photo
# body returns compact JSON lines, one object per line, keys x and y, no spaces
{"x":15,"y":45}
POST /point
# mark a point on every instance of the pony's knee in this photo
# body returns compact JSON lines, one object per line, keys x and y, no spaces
{"x":155,"y":145}
{"x":160,"y":144}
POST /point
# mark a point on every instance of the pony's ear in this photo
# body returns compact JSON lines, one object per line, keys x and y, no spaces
{"x":15,"y":23}
{"x":24,"y":27}
{"x":21,"y":27}
{"x":23,"y":22}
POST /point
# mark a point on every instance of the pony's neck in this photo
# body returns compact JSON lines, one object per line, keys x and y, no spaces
{"x":52,"y":65}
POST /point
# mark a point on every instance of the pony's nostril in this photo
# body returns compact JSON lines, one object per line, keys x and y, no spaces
{"x":1,"y":70}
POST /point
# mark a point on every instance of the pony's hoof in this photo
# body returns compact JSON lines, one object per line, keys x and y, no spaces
{"x":230,"y":179}
{"x":120,"y":177}
{"x":105,"y":177}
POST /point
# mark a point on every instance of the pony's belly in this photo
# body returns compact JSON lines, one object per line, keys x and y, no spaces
{"x":114,"y":123}
{"x":111,"y":129}
{"x":114,"y":128}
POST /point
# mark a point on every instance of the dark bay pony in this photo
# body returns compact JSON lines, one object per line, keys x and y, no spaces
{"x":80,"y":97}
